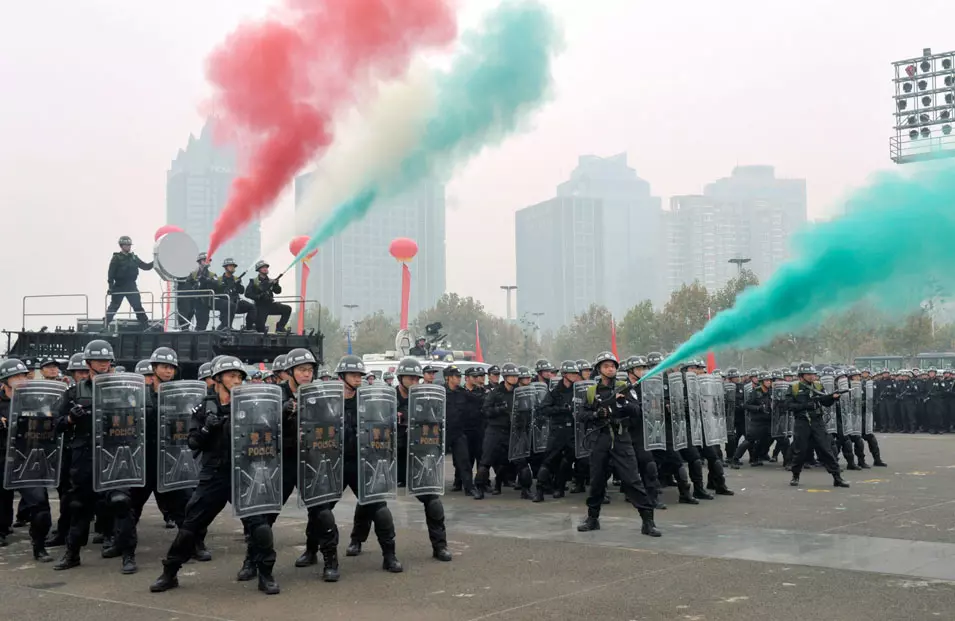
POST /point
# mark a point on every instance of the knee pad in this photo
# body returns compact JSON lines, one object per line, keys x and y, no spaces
{"x":261,"y":536}
{"x":434,"y":510}
{"x":119,"y":501}
{"x":76,"y":505}
{"x":382,"y":518}
{"x":653,"y":473}
{"x":525,"y":477}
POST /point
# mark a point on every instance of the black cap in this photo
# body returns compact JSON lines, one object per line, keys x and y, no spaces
{"x":476,"y":372}
{"x":494,"y":370}
{"x":452,"y":371}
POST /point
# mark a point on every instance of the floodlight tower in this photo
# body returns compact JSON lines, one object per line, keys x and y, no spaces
{"x":924,"y":108}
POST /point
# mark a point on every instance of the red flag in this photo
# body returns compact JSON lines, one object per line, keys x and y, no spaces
{"x":710,"y":356}
{"x":477,"y":342}
{"x":613,"y":338}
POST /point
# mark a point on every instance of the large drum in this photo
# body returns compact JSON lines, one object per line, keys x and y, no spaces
{"x":174,"y":255}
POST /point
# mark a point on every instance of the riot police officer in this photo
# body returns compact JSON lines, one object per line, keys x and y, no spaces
{"x":210,"y":436}
{"x":608,"y":407}
{"x":124,"y":269}
{"x":497,"y":411}
{"x":230,"y":285}
{"x":804,"y":401}
{"x":457,"y":399}
{"x":759,"y":408}
{"x":261,"y":290}
{"x":544,"y":371}
{"x":636,"y":367}
{"x":278,"y":369}
{"x":558,"y":407}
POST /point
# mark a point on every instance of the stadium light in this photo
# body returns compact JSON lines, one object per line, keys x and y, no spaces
{"x":924,"y":108}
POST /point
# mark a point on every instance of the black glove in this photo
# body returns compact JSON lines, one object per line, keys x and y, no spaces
{"x":289,"y":406}
{"x":77,"y":411}
{"x":213,"y":421}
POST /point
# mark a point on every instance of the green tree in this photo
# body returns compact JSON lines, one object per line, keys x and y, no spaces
{"x":845,"y":335}
{"x":375,"y":334}
{"x":910,"y":337}
{"x":685,"y":313}
{"x":457,"y":316}
{"x":321,"y":320}
{"x":509,"y":341}
{"x":586,"y":336}
{"x":726,"y":297}
{"x":639,"y":332}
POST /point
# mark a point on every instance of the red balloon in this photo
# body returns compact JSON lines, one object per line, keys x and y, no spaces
{"x":403,"y":249}
{"x":295,"y":246}
{"x":167,"y":228}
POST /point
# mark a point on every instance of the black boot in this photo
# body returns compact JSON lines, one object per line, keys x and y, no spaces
{"x":353,"y":549}
{"x":880,"y":463}
{"x":441,"y":552}
{"x":267,"y":583}
{"x":852,"y":466}
{"x":98,"y":538}
{"x":559,"y":493}
{"x":456,"y":487}
{"x":40,"y":554}
{"x":56,"y":541}
{"x":111,"y":552}
{"x":308,"y":558}
{"x":578,"y":488}
{"x":795,"y":480}
{"x":167,"y":580}
{"x":248,"y":571}
{"x":838,"y":481}
{"x":660,"y":506}
{"x":389,"y":560}
{"x":701,"y":494}
{"x":538,"y":494}
{"x":71,"y":559}
{"x":129,"y":564}
{"x":683,"y":484}
{"x":648,"y":528}
{"x":201,"y":553}
{"x":590,"y":523}
{"x":330,"y":571}
{"x":170,"y":525}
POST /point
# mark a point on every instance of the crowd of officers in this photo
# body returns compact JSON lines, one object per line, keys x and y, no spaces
{"x":479,"y":416}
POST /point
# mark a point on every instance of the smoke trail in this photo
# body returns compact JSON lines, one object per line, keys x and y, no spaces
{"x":894,"y":247}
{"x":503,"y":73}
{"x":279,"y":83}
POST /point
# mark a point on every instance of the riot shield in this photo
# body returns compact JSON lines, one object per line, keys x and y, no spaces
{"x":553,"y":383}
{"x":853,"y":422}
{"x":829,"y":413}
{"x":540,"y":425}
{"x":693,"y":408}
{"x":522,"y":413}
{"x":779,"y":417}
{"x":720,"y":409}
{"x":427,"y":420}
{"x":321,"y":431}
{"x":177,"y":468}
{"x":729,"y":421}
{"x":869,"y":406}
{"x":34,"y":450}
{"x":256,"y":427}
{"x":710,"y":413}
{"x":377,"y":438}
{"x":677,"y":411}
{"x":654,"y":415}
{"x":119,"y":431}
{"x":583,"y":439}
{"x":747,"y":415}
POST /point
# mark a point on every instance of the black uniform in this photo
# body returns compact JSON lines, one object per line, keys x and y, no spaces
{"x":558,"y":407}
{"x":196,"y":300}
{"x":887,"y":404}
{"x":646,"y":463}
{"x":123,"y":271}
{"x":229,"y":285}
{"x":759,"y":406}
{"x":34,"y":501}
{"x":494,"y":454}
{"x":458,"y":401}
{"x":908,"y":405}
{"x":261,"y":290}
{"x":669,"y":461}
{"x":805,"y":401}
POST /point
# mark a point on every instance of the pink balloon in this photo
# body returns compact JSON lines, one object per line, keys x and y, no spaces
{"x":403,"y":249}
{"x":167,"y":228}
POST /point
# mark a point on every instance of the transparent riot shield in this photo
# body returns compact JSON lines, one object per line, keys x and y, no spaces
{"x":853,"y":422}
{"x":377,"y":443}
{"x":710,"y":414}
{"x":119,"y":431}
{"x":583,"y":438}
{"x":829,"y":413}
{"x":553,"y":383}
{"x":677,"y":411}
{"x":693,"y":408}
{"x":747,"y":415}
{"x":321,"y":431}
{"x":256,"y":426}
{"x":869,"y":407}
{"x":177,"y":467}
{"x":522,"y":413}
{"x":779,"y":417}
{"x":654,"y":414}
{"x":729,"y":399}
{"x":720,"y":408}
{"x":34,"y":450}
{"x":540,"y":425}
{"x":427,"y":422}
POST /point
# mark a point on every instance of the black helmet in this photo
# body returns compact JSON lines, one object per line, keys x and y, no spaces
{"x":606,"y":356}
{"x":543,"y":365}
{"x":120,"y":369}
{"x":582,"y":365}
{"x":805,"y":368}
{"x":228,"y":363}
{"x":494,"y":370}
{"x":409,"y":366}
{"x":452,"y":371}
{"x":654,"y":358}
{"x":525,"y":372}
{"x":350,"y":364}
{"x":323,"y":372}
{"x":279,"y":363}
{"x":229,"y":261}
{"x":509,"y":368}
{"x":854,"y":371}
{"x":778,"y":374}
{"x":201,"y":257}
{"x":76,"y":363}
{"x":98,"y":350}
{"x":205,"y":370}
{"x":144,"y":367}
{"x":46,"y":361}
{"x":299,"y":356}
{"x":387,"y":375}
{"x":165,"y":355}
{"x":125,"y":241}
{"x":429,"y":368}
{"x":12,"y":367}
{"x":752,"y":372}
{"x":731,"y":373}
{"x":569,"y":366}
{"x":260,"y":264}
{"x":828,"y":371}
{"x":475,"y":372}
{"x":764,"y":375}
{"x":639,"y":361}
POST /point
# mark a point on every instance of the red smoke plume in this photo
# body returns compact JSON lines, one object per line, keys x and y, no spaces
{"x":279,"y":82}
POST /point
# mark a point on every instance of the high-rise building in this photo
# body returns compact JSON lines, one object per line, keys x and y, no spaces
{"x":572,"y":250}
{"x":750,"y":215}
{"x":197,"y":188}
{"x":355,"y":267}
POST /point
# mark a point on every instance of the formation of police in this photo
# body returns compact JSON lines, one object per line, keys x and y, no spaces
{"x":198,"y":445}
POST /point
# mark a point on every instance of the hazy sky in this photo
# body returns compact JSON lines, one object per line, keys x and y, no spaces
{"x":97,"y":96}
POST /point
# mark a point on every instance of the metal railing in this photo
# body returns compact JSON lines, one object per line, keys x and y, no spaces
{"x":146,"y":299}
{"x":85,"y":314}
{"x":208,"y":295}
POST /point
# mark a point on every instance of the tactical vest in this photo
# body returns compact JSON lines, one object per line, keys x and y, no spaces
{"x":592,"y":391}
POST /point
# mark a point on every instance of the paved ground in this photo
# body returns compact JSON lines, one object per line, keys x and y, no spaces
{"x":884,"y":549}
